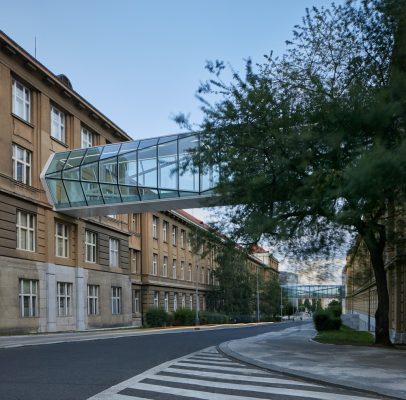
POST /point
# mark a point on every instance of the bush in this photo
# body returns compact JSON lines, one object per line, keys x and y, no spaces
{"x":242,"y":318}
{"x":155,"y":317}
{"x":184,"y":316}
{"x":325,"y":320}
{"x":207,"y":317}
{"x":335,"y":308}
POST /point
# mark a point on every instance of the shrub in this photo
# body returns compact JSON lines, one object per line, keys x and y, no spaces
{"x":184,"y":316}
{"x":324,"y":320}
{"x":207,"y":317}
{"x":335,"y":308}
{"x":155,"y":317}
{"x":242,"y":318}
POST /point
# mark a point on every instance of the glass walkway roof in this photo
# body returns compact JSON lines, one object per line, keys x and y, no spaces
{"x":300,"y":291}
{"x":149,"y":174}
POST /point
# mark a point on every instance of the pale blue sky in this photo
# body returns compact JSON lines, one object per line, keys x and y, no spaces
{"x":139,"y":61}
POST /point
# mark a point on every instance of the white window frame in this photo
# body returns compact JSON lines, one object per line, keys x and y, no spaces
{"x":134,"y":223}
{"x":86,"y":138}
{"x":29,"y":230}
{"x":64,"y":299}
{"x":182,"y":238}
{"x":189,"y":243}
{"x":175,"y":302}
{"x":174,"y":267}
{"x":182,"y":270}
{"x":116,"y":300}
{"x":154,"y":264}
{"x":90,"y":246}
{"x":165,"y":226}
{"x":190,"y":273}
{"x":136,"y":301}
{"x":156,"y":299}
{"x":93,"y":299}
{"x":154,"y":227}
{"x":166,"y":301}
{"x":183,"y":300}
{"x":61,"y":240}
{"x":174,"y":231}
{"x":31,"y":296}
{"x":25,"y":162}
{"x":58,"y":119}
{"x":114,"y":253}
{"x":191,"y":302}
{"x":21,"y":104}
{"x":165,"y":267}
{"x":134,"y":261}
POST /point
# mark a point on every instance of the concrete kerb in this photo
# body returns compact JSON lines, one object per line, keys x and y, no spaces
{"x":225,"y":350}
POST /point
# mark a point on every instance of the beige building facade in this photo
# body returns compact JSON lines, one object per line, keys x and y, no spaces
{"x":61,"y":273}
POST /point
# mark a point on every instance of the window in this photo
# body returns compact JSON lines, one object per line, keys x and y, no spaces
{"x":134,"y":261}
{"x":154,"y":227}
{"x":174,"y":269}
{"x":182,"y":270}
{"x":155,"y":264}
{"x":166,"y":302}
{"x":63,"y":299}
{"x":156,"y":299}
{"x":136,"y":301}
{"x":191,"y":302}
{"x":165,"y":227}
{"x":92,"y":299}
{"x":21,"y":101}
{"x":116,"y":300}
{"x":25,"y":231}
{"x":90,"y":244}
{"x":21,"y":164}
{"x":183,"y":301}
{"x":114,"y":256}
{"x":208,"y":276}
{"x":203,"y":275}
{"x":174,"y":230}
{"x":175,"y":301}
{"x":189,"y":243}
{"x":61,"y":240}
{"x":190,"y":272}
{"x":28,"y":297}
{"x":134,"y":223}
{"x":57,"y":124}
{"x":182,"y":238}
{"x":165,"y":267}
{"x":86,"y":138}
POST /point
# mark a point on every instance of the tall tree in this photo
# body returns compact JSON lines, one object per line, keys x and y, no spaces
{"x":312,"y":145}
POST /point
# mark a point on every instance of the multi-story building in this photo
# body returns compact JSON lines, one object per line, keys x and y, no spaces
{"x":62,"y":273}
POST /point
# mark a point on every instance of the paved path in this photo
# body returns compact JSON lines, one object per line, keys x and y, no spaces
{"x":209,"y":375}
{"x":292,"y":351}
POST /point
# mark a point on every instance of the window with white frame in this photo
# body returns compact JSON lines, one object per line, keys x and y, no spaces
{"x":182,"y":238}
{"x":93,"y":299}
{"x":28,"y":297}
{"x":57,"y":124}
{"x":90,"y":245}
{"x":21,"y":164}
{"x":183,"y":301}
{"x":165,"y":227}
{"x":190,"y":273}
{"x":134,"y":261}
{"x":174,"y":269}
{"x":86,"y":138}
{"x":114,"y":253}
{"x":208,"y":276}
{"x":136,"y":301}
{"x":64,"y":299}
{"x":165,"y":267}
{"x":175,"y":301}
{"x":25,"y":231}
{"x":61,"y":240}
{"x":156,"y":299}
{"x":155,"y":264}
{"x":116,"y":300}
{"x":166,"y":301}
{"x":174,"y":232}
{"x":21,"y":101}
{"x":134,"y":219}
{"x":191,"y":302}
{"x":154,"y":227}
{"x":182,"y":270}
{"x":189,"y":243}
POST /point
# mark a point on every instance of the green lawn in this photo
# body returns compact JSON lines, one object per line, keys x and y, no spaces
{"x":345,"y":336}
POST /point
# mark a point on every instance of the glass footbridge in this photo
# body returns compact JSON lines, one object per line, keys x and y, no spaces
{"x":137,"y":176}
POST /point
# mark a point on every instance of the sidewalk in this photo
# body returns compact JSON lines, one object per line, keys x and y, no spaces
{"x":292,"y":351}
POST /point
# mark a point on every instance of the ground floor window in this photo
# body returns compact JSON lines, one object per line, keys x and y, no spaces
{"x":166,"y":302}
{"x":93,"y":299}
{"x":64,"y":299}
{"x":175,"y":301}
{"x":116,"y":300}
{"x":136,"y":301}
{"x":191,"y":302}
{"x":28,"y":297}
{"x":183,"y":301}
{"x":156,"y":299}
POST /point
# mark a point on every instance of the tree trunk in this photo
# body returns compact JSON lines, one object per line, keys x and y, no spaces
{"x":376,"y":247}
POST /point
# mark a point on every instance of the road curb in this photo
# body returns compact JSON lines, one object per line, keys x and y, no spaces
{"x":224,"y":348}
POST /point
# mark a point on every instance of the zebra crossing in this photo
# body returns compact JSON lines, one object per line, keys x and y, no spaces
{"x":209,"y":375}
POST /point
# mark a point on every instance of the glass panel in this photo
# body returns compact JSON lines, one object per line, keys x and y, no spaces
{"x":127,"y":168}
{"x":110,"y":150}
{"x":147,"y":143}
{"x":75,"y":193}
{"x":92,"y":193}
{"x":108,"y":170}
{"x":75,"y":158}
{"x":165,"y":139}
{"x":148,"y":194}
{"x":129,"y":146}
{"x":71,"y":173}
{"x":58,"y":193}
{"x":90,"y":172}
{"x":58,"y":162}
{"x":92,"y":155}
{"x":147,"y":167}
{"x":188,"y":176}
{"x":168,"y":177}
{"x":129,"y":193}
{"x":168,"y":194}
{"x":111,"y":193}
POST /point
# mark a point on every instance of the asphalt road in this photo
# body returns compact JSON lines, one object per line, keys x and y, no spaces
{"x":78,"y":370}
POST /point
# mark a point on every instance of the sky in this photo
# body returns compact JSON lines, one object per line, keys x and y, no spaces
{"x":140,"y":61}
